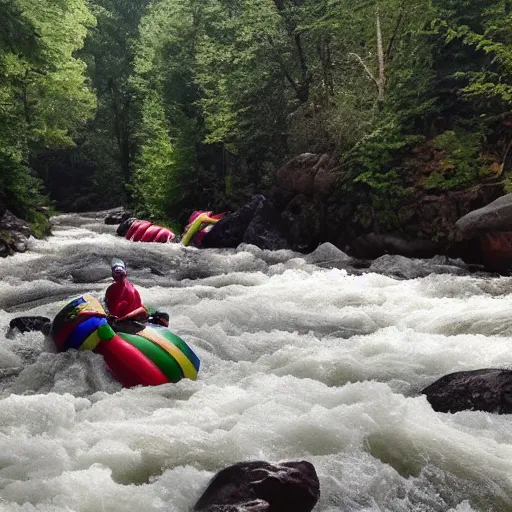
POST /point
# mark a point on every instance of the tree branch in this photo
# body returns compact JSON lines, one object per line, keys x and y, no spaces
{"x":365,"y":66}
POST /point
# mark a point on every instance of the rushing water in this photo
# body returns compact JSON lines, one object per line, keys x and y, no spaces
{"x":298,"y":362}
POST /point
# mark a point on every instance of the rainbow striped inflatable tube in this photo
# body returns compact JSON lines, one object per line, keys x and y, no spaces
{"x":150,"y":356}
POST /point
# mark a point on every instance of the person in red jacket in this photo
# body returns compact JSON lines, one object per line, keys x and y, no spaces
{"x":122,"y":298}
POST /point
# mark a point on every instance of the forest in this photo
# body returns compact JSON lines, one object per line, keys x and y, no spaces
{"x":171,"y":105}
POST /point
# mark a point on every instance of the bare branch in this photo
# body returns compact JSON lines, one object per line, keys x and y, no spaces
{"x":365,"y":66}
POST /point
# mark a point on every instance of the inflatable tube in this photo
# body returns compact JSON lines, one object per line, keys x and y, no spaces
{"x":164,"y":235}
{"x":150,"y":233}
{"x":148,"y":355}
{"x":130,"y":366}
{"x":135,"y":225}
{"x":139,"y":232}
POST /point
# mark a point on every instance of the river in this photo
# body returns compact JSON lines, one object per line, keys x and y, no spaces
{"x":298,"y":361}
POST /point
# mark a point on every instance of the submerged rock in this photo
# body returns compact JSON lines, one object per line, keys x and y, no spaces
{"x":30,"y":323}
{"x":261,"y":486}
{"x":487,"y":390}
{"x":412,"y":268}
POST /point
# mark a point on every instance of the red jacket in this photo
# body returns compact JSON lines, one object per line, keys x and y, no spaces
{"x":122,"y":298}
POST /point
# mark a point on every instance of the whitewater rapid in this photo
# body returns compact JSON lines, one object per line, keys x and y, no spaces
{"x":298,"y":361}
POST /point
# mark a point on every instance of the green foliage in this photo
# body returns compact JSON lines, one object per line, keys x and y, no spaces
{"x":462,"y":166}
{"x":376,"y":185}
{"x":174,"y":105}
{"x":44,"y":99}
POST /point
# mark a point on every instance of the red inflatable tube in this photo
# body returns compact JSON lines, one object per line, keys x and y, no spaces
{"x":131,"y":230}
{"x":164,"y":235}
{"x":150,"y":234}
{"x":139,"y":233}
{"x":129,"y":366}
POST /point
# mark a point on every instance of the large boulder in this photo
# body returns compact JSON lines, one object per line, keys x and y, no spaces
{"x":264,"y":230}
{"x":308,"y":174}
{"x":487,"y":390}
{"x":492,"y":227}
{"x":305,"y":222}
{"x":496,"y":216}
{"x":255,"y":223}
{"x":261,"y":486}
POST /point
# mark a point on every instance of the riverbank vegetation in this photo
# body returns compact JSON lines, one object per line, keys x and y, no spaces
{"x":170,"y":105}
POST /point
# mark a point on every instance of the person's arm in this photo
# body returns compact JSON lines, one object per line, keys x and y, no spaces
{"x":140,"y":313}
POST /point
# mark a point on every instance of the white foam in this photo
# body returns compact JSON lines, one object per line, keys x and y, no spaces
{"x":297,"y":363}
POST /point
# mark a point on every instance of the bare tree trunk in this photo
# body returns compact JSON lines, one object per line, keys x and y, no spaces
{"x":381,"y":82}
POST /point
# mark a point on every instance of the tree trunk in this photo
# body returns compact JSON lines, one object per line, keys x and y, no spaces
{"x":381,"y":82}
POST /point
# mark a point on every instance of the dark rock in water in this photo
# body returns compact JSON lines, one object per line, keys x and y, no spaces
{"x":14,"y":234}
{"x":31,"y":323}
{"x":254,"y":223}
{"x":125,"y":226}
{"x":230,"y":230}
{"x":487,"y":390}
{"x":264,"y":230}
{"x":117,"y":216}
{"x":5,"y":248}
{"x":261,"y":486}
{"x":305,"y":224}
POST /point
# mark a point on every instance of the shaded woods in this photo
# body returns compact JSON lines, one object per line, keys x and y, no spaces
{"x":170,"y":105}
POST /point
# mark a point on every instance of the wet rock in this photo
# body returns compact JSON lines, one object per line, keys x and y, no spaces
{"x":30,"y":323}
{"x":90,"y":274}
{"x":264,"y":230}
{"x":487,"y":390}
{"x":14,"y":234}
{"x":412,"y":268}
{"x":125,"y":226}
{"x":304,"y":221}
{"x":261,"y":486}
{"x":255,"y":223}
{"x":117,"y":216}
{"x":329,"y":256}
{"x":5,"y":248}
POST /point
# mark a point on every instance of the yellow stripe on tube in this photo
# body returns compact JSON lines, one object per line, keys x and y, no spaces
{"x":91,"y":341}
{"x":188,"y":368}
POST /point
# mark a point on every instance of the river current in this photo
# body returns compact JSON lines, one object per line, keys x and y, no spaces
{"x":298,"y":361}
